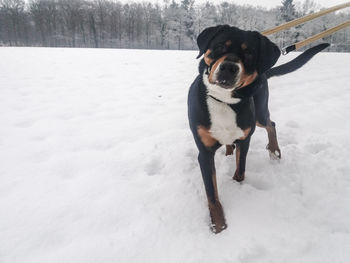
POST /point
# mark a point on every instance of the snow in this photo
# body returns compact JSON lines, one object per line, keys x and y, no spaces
{"x":98,"y":163}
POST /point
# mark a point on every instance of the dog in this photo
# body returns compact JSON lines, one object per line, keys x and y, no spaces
{"x":229,"y":98}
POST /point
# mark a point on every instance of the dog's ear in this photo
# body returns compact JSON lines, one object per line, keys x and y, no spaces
{"x":268,"y":53}
{"x":206,"y":36}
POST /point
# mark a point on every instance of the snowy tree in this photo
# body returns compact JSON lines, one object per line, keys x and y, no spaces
{"x":308,"y":6}
{"x":174,"y":24}
{"x":288,"y":11}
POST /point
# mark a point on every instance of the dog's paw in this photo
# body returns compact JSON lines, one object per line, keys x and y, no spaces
{"x":274,"y":152}
{"x":276,"y":155}
{"x":217,"y":229}
{"x":238,"y":177}
{"x":217,"y":217}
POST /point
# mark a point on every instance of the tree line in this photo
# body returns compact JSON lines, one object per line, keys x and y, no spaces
{"x":171,"y":25}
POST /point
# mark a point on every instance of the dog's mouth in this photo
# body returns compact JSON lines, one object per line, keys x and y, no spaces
{"x":228,"y":84}
{"x":227,"y":80}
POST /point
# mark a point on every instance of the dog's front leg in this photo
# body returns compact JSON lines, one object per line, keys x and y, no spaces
{"x":242,"y":147}
{"x":206,"y":162}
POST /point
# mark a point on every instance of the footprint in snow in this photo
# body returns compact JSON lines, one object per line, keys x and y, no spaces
{"x":260,"y":184}
{"x":292,"y":124}
{"x":315,"y":148}
{"x":24,"y":124}
{"x":154,"y":166}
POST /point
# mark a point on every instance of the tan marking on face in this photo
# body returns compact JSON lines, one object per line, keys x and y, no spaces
{"x":208,"y":60}
{"x":244,"y":46}
{"x":205,"y":136}
{"x":216,"y":64}
{"x":228,"y":43}
{"x":246,"y":79}
{"x":246,"y":133}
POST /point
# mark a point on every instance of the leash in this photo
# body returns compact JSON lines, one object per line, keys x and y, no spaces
{"x":313,"y":38}
{"x":304,"y":19}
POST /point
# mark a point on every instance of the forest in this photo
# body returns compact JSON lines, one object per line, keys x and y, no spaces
{"x":145,"y":25}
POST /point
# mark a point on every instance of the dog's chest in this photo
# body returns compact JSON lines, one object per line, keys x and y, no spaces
{"x":223,"y":122}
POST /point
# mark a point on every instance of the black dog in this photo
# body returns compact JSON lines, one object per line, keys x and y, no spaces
{"x":229,"y":98}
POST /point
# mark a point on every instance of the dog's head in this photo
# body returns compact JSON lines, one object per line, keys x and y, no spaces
{"x":233,"y":58}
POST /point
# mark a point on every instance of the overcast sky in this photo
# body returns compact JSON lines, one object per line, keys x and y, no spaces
{"x":273,"y":3}
{"x":263,"y":3}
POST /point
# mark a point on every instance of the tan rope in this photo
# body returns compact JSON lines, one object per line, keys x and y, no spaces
{"x":304,"y":19}
{"x":315,"y":37}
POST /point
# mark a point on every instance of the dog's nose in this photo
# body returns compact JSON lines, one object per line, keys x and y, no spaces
{"x":229,"y":67}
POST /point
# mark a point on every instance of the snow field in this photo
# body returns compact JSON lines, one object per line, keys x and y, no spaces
{"x":98,"y":163}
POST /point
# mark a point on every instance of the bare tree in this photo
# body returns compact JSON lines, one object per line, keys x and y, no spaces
{"x":12,"y":12}
{"x":173,"y":25}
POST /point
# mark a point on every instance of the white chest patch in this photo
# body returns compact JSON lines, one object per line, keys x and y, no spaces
{"x":223,"y":122}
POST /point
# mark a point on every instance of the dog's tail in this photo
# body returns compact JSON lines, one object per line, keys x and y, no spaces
{"x":296,"y":63}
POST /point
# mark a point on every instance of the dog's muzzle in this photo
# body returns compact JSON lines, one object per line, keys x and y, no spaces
{"x":226,"y":74}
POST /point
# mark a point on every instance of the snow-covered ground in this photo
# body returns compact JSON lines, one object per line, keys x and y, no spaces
{"x":98,"y":163}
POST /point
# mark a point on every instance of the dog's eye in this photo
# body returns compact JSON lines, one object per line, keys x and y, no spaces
{"x":219,"y":49}
{"x":248,"y":57}
{"x":248,"y":60}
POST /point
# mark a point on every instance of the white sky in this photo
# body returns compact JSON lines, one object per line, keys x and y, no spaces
{"x":274,"y":3}
{"x":263,"y":3}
